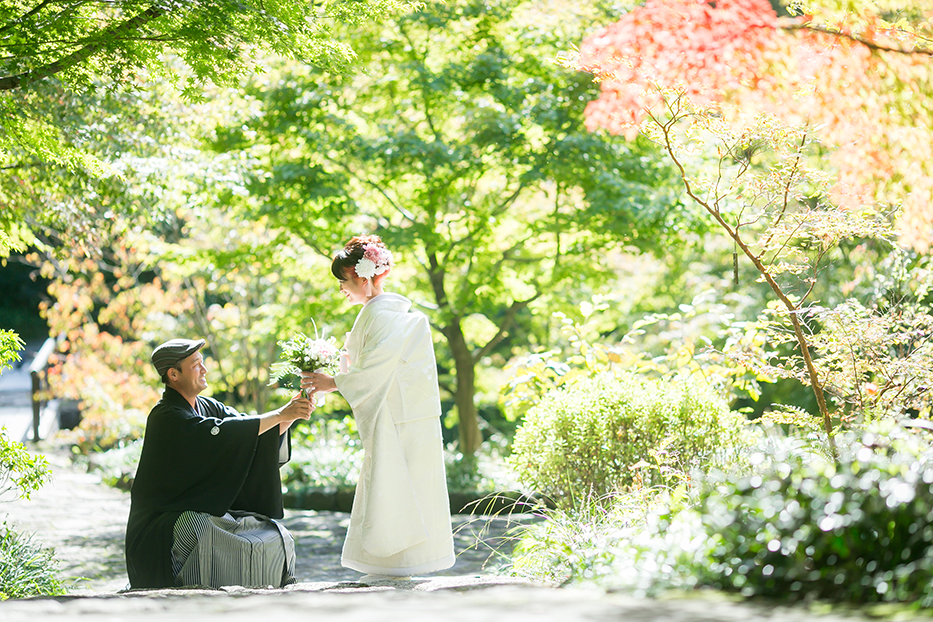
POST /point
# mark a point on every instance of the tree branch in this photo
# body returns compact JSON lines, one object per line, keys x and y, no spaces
{"x":793,"y":25}
{"x":792,"y":308}
{"x":26,"y":16}
{"x":103,"y":39}
{"x":504,"y":326}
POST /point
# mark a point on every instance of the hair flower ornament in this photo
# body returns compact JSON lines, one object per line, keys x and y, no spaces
{"x":376,"y":260}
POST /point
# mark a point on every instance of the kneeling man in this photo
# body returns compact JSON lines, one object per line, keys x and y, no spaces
{"x":207,"y":488}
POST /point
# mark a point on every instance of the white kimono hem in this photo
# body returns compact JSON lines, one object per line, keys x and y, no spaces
{"x":441,"y":564}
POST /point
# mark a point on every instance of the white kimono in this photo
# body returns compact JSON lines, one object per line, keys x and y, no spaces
{"x":400,"y":521}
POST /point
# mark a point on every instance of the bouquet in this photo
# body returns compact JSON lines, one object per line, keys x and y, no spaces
{"x":302,"y":353}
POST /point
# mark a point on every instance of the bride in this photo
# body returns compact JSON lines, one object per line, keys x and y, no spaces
{"x":400,"y":520}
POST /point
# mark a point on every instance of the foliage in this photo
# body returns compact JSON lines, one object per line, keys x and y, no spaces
{"x":700,"y":339}
{"x":73,"y":207}
{"x":850,"y":72}
{"x":26,"y":569}
{"x":104,"y":359}
{"x":20,"y":471}
{"x":463,"y":146}
{"x":772,"y":204}
{"x":246,"y":284}
{"x":90,"y":41}
{"x":876,"y":356}
{"x":786,"y":522}
{"x":116,"y":466}
{"x":10,"y":345}
{"x":235,"y":284}
{"x":802,"y":89}
{"x":96,"y":47}
{"x":326,"y":453}
{"x":581,"y":546}
{"x":486,"y":471}
{"x":856,"y":531}
{"x":611,"y":432}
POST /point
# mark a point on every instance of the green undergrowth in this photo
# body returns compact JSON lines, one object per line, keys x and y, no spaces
{"x":26,"y":568}
{"x":789,"y":524}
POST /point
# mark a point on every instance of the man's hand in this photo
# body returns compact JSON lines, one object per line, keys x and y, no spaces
{"x":299,"y":408}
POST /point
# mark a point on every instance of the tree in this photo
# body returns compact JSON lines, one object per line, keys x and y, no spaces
{"x":860,"y":75}
{"x":773,"y":96}
{"x":462,"y":145}
{"x":62,"y":57}
{"x":54,"y":52}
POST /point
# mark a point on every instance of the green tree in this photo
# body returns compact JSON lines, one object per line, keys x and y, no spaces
{"x":463,"y":145}
{"x":56,"y":53}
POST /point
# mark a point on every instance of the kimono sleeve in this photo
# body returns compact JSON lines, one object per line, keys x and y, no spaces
{"x":371,"y":376}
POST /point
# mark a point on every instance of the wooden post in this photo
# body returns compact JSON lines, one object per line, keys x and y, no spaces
{"x":38,"y":367}
{"x":36,"y":403}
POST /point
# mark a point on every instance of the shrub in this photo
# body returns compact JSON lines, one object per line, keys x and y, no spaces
{"x":859,"y":530}
{"x":26,"y":569}
{"x":612,"y":432}
{"x":326,"y":453}
{"x":21,"y":473}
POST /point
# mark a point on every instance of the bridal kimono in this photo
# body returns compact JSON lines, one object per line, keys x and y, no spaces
{"x":400,"y":520}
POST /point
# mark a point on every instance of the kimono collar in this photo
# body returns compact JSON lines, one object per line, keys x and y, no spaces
{"x":173,"y":397}
{"x":388,"y":302}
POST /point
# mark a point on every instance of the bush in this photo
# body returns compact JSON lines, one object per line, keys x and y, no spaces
{"x":859,"y":530}
{"x":26,"y":569}
{"x":21,"y":473}
{"x":326,"y":453}
{"x":611,"y":432}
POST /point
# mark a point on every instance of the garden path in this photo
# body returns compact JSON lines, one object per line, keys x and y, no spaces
{"x":84,"y":521}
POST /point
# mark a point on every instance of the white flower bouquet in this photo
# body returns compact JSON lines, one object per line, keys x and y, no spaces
{"x":302,"y":353}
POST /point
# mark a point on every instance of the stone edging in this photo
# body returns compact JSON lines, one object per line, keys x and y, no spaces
{"x":489,"y":504}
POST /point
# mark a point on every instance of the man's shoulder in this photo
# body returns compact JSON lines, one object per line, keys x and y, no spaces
{"x":170,"y":402}
{"x":213,"y":407}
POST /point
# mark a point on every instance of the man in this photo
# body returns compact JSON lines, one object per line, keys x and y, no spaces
{"x":207,"y":487}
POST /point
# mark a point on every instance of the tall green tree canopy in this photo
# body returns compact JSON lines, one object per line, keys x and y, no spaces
{"x":463,"y":145}
{"x":59,"y":57}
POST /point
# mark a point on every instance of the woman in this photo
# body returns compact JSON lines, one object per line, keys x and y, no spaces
{"x":400,"y":520}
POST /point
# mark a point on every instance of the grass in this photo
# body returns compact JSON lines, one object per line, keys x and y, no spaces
{"x":26,"y":569}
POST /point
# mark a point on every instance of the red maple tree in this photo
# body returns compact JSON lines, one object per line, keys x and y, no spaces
{"x":861,"y":80}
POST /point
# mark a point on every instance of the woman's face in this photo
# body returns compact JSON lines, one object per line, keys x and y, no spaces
{"x":356,"y":289}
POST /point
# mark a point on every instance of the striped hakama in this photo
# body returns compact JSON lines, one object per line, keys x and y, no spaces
{"x":237,"y":548}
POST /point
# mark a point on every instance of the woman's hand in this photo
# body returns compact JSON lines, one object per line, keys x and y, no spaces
{"x":315,"y":382}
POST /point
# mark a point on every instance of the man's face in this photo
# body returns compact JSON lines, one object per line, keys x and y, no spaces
{"x":191,"y":376}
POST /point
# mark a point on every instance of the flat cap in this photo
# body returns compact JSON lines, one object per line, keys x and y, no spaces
{"x":167,"y":355}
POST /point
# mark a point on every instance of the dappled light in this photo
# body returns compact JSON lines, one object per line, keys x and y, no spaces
{"x":641,"y":295}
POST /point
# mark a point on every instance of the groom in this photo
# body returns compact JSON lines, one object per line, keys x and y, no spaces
{"x":207,"y":487}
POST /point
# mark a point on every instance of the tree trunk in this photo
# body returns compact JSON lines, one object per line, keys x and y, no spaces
{"x":470,"y":436}
{"x":792,"y":308}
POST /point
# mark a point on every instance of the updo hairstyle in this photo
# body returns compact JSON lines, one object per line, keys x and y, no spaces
{"x":351,"y":254}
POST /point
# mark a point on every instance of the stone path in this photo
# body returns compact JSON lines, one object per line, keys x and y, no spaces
{"x":84,"y":521}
